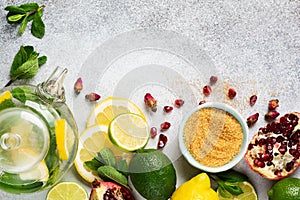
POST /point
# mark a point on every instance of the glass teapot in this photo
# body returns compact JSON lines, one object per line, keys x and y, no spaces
{"x":38,"y":135}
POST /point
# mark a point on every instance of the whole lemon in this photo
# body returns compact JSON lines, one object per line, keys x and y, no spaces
{"x":285,"y":189}
{"x":196,"y":188}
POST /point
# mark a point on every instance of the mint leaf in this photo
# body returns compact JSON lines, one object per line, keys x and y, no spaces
{"x":15,"y":18}
{"x":42,"y":60}
{"x":106,"y":157}
{"x":93,"y":164}
{"x":15,"y":9}
{"x":23,"y":25}
{"x":26,"y":70}
{"x":38,"y":26}
{"x":7,"y":103}
{"x":110,"y":173}
{"x":232,"y":188}
{"x":122,"y":167}
{"x":19,"y":94}
{"x":231,"y":176}
{"x":29,"y":6}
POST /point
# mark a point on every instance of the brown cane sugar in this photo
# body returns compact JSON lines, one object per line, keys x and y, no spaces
{"x":213,"y":136}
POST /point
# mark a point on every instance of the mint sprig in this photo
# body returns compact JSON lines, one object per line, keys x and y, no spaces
{"x":26,"y":64}
{"x":25,"y":13}
{"x":228,"y":182}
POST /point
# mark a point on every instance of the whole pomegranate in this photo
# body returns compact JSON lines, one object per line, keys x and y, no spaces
{"x":275,"y":150}
{"x":109,"y":190}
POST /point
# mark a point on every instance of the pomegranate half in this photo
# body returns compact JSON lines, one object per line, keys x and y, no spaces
{"x":274,"y":152}
{"x":109,"y":190}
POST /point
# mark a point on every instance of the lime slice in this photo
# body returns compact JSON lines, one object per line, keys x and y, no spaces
{"x":248,"y":189}
{"x":108,"y":109}
{"x":67,"y":191}
{"x":60,"y":133}
{"x":129,"y":131}
{"x":91,"y":141}
{"x":5,"y":95}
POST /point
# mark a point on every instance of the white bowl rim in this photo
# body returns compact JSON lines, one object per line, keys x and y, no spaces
{"x":243,"y":148}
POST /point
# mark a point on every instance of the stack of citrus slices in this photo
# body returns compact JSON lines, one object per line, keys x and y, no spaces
{"x":116,"y":123}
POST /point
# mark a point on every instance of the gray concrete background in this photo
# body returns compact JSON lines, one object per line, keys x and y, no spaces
{"x":254,"y":45}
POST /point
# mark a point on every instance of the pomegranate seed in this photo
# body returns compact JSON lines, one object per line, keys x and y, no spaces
{"x":178,"y":103}
{"x":165,"y":126}
{"x":206,"y":90}
{"x":282,"y":149}
{"x":78,"y":86}
{"x":278,"y":172}
{"x":153,"y":132}
{"x":92,"y":96}
{"x":162,"y":141}
{"x":273,"y":114}
{"x":261,"y":142}
{"x":150,"y":102}
{"x":253,"y":99}
{"x":202,"y":102}
{"x":231,"y":93}
{"x":273,"y":104}
{"x":259,"y":163}
{"x":289,"y":166}
{"x":213,"y":80}
{"x":252,"y":119}
{"x":168,"y":109}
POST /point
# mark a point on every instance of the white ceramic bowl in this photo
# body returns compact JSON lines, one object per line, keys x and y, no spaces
{"x":236,"y":159}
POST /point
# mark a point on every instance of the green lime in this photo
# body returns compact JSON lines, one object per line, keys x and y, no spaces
{"x":285,"y":189}
{"x":152,"y":174}
{"x":129,"y":131}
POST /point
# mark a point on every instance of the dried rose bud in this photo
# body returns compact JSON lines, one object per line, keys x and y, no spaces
{"x":178,"y":103}
{"x":165,"y":126}
{"x":273,"y":104}
{"x":153,"y":132}
{"x":272,"y":114}
{"x":231,"y":93}
{"x":252,"y":119}
{"x":92,"y":96}
{"x":162,"y":141}
{"x":168,"y":109}
{"x":78,"y":86}
{"x":253,"y":99}
{"x":202,"y":102}
{"x":213,"y":80}
{"x":206,"y":90}
{"x":150,"y":102}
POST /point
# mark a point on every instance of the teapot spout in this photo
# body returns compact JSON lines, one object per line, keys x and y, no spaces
{"x":52,"y":89}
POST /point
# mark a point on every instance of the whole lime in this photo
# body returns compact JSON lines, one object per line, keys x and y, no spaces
{"x":285,"y":189}
{"x":152,"y":174}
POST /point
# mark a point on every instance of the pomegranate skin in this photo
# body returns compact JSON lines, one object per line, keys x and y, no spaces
{"x":274,"y":152}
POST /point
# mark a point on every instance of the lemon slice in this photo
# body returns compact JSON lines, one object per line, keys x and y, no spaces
{"x":5,"y":95}
{"x":129,"y":131}
{"x":108,"y":109}
{"x":91,"y":141}
{"x":67,"y":191}
{"x":39,"y":172}
{"x":248,"y":189}
{"x":60,"y":133}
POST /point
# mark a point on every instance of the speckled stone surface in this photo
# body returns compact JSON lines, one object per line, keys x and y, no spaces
{"x":254,"y":46}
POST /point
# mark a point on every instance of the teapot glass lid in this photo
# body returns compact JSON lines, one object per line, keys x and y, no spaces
{"x":24,"y":139}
